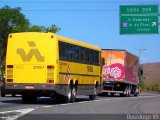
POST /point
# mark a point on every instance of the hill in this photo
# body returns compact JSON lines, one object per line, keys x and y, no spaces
{"x":151,"y":73}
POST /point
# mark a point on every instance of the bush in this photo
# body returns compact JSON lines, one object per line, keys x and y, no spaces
{"x":153,"y":87}
{"x":142,"y":85}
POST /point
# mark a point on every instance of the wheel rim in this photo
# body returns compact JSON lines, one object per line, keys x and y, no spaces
{"x":95,"y":91}
{"x":74,"y":92}
{"x":69,"y":94}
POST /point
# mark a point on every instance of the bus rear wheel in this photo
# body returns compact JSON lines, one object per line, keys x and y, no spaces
{"x":13,"y":95}
{"x":93,"y":97}
{"x":3,"y":94}
{"x":71,"y":95}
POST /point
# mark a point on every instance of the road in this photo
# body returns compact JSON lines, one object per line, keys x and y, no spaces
{"x":146,"y":105}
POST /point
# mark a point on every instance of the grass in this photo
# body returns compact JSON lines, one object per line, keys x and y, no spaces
{"x":149,"y":87}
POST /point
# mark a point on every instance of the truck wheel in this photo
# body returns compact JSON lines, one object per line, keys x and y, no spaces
{"x":136,"y":91}
{"x":126,"y":92}
{"x":26,"y":98}
{"x":129,"y":91}
{"x":71,"y":95}
{"x":112,"y":94}
{"x":104,"y":93}
{"x":136,"y":94}
{"x":121,"y":95}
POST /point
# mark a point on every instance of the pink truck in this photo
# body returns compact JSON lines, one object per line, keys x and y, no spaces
{"x":120,"y":73}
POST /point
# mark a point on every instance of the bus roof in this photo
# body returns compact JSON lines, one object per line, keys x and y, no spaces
{"x":77,"y":42}
{"x":64,"y":39}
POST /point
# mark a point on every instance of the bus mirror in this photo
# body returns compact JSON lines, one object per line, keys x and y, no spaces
{"x":103,"y":61}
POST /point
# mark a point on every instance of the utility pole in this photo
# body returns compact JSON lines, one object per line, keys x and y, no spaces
{"x":140,"y":51}
{"x":140,"y":70}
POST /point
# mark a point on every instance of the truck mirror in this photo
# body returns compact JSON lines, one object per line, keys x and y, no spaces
{"x":140,"y":71}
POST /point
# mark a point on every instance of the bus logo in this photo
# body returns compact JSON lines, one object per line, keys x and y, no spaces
{"x":33,"y":52}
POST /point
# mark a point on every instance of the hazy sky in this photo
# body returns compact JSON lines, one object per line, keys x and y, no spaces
{"x":91,"y":21}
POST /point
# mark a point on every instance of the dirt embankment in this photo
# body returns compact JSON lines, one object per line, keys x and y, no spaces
{"x":151,"y":73}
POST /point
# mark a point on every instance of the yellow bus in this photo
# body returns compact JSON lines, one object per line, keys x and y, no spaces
{"x":46,"y":64}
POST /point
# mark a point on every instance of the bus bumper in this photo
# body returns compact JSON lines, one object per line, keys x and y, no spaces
{"x":38,"y":89}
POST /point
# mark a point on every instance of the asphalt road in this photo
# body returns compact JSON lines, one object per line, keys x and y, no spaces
{"x":146,"y":106}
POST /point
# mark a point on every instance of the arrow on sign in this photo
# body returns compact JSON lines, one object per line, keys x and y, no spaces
{"x":153,"y":24}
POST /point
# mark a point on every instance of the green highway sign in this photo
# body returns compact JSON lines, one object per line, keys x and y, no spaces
{"x":139,"y":24}
{"x":139,"y":19}
{"x":139,"y":9}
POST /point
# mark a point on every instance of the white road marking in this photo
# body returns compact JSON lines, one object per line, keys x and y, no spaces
{"x":13,"y":115}
{"x":47,"y":106}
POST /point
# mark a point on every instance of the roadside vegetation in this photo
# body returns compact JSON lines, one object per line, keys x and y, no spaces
{"x":153,"y":87}
{"x":149,"y":81}
{"x":149,"y":87}
{"x":12,"y":20}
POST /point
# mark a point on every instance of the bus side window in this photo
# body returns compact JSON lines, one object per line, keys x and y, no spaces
{"x":70,"y":52}
{"x":96,"y":57}
{"x":82,"y":54}
{"x":87,"y":56}
{"x":76,"y":53}
{"x":91,"y":56}
{"x":62,"y":50}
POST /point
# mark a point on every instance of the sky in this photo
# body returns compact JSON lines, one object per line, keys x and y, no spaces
{"x":93,"y":21}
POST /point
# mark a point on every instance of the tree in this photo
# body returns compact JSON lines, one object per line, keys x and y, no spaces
{"x":12,"y":21}
{"x":52,"y":28}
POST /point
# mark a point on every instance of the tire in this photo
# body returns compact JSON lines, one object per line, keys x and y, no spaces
{"x":60,"y":98}
{"x":136,"y":91}
{"x":3,"y":94}
{"x":26,"y":98}
{"x":121,"y":95}
{"x":104,"y":93}
{"x":93,"y":97}
{"x":2,"y":89}
{"x":135,"y":94}
{"x":129,"y":91}
{"x":13,"y":95}
{"x":71,"y":95}
{"x":112,"y":94}
{"x":125,"y":93}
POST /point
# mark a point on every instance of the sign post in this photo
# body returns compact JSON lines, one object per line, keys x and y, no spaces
{"x":139,"y":19}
